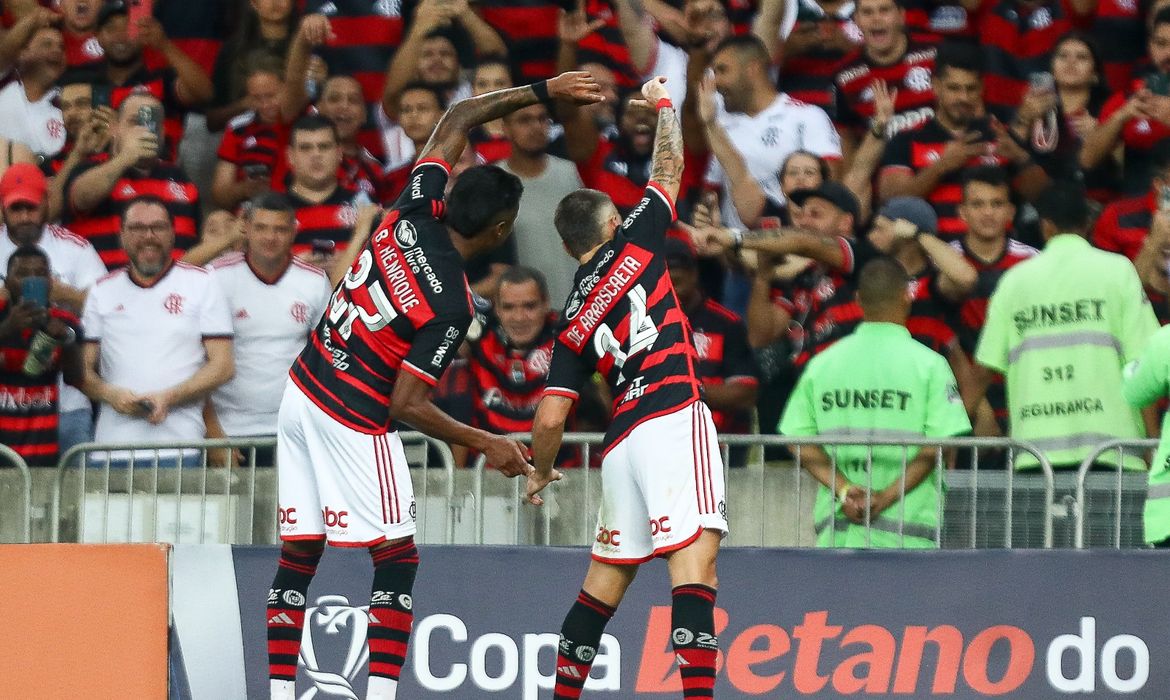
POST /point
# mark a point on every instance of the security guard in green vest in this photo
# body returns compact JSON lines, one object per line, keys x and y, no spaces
{"x":877,"y":383}
{"x":1060,"y":327}
{"x":1147,"y":379}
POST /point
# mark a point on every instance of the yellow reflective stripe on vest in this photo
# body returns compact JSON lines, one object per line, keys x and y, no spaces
{"x":925,"y":532}
{"x":1158,"y":491}
{"x":872,"y":433}
{"x":1070,"y":442}
{"x":1065,"y":340}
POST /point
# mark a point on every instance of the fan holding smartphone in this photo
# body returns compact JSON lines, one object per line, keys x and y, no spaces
{"x":38,"y":347}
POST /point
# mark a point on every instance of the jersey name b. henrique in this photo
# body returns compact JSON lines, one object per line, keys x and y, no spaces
{"x":623,"y":320}
{"x":404,"y":304}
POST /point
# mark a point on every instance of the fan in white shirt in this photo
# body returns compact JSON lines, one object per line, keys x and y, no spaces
{"x":275,"y":300}
{"x":158,"y":337}
{"x":764,"y":125}
{"x":32,"y":58}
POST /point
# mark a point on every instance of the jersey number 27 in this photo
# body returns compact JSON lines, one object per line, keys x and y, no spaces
{"x":643,"y":333}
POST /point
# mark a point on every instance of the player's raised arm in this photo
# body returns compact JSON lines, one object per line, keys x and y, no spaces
{"x":667,"y":166}
{"x":450,"y":136}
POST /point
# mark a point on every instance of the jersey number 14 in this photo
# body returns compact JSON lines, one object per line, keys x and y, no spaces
{"x":643,"y":333}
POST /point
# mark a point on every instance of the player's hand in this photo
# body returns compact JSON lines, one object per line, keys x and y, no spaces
{"x":537,"y":482}
{"x":578,"y":86}
{"x":507,"y":455}
{"x":316,"y":30}
{"x":653,"y":90}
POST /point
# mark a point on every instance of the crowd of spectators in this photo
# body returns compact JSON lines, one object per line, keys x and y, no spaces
{"x":922,"y":130}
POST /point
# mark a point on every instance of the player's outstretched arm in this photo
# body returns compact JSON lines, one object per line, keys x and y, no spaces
{"x":548,"y":429}
{"x":411,"y":403}
{"x":450,"y":136}
{"x":667,"y":165}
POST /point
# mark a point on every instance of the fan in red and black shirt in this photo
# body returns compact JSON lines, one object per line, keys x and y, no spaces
{"x":1018,"y":37}
{"x":988,"y":212}
{"x":812,"y":52}
{"x":96,"y":191}
{"x":927,"y":162}
{"x":29,"y":385}
{"x":933,"y":21}
{"x":727,"y":368}
{"x":179,"y":85}
{"x":885,"y":54}
{"x":1125,"y":223}
{"x":253,"y":143}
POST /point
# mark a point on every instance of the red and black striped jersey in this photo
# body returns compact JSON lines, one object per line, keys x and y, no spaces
{"x":1018,"y":39}
{"x":367,"y":34}
{"x":161,"y":84}
{"x":488,"y":148}
{"x":403,"y":305}
{"x":330,"y":220}
{"x":910,"y":75}
{"x":247,"y":141}
{"x":973,"y":311}
{"x":507,"y":381}
{"x":815,"y":294}
{"x":81,"y":50}
{"x":102,"y":225}
{"x":529,"y":28}
{"x":1121,"y":39}
{"x":28,"y":405}
{"x":1124,"y":225}
{"x":365,"y":173}
{"x":1139,"y":137}
{"x":929,"y":321}
{"x":623,"y":320}
{"x":606,"y":45}
{"x":724,"y":357}
{"x":615,"y":170}
{"x":931,"y":21}
{"x":916,"y":149}
{"x":808,"y":77}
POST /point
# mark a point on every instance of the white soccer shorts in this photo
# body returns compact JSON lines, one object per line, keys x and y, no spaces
{"x":351,"y":487}
{"x":662,"y":485}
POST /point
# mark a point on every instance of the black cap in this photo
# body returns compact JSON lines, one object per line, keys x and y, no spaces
{"x":111,"y":8}
{"x":677,"y":253}
{"x":832,"y":192}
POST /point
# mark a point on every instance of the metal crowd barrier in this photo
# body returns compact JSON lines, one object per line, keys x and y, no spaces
{"x":174,"y":492}
{"x":760,"y":489}
{"x":20,"y":482}
{"x":1119,"y":519}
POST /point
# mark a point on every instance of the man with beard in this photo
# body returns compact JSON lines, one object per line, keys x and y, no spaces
{"x":34,"y":48}
{"x":97,"y":191}
{"x":158,"y":337}
{"x":182,"y":84}
{"x":547,"y":179}
{"x":927,"y":162}
{"x":74,"y":264}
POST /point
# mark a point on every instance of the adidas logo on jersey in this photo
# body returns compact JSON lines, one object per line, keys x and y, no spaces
{"x":328,"y":9}
{"x":281,"y":619}
{"x":242,"y":315}
{"x":570,"y":671}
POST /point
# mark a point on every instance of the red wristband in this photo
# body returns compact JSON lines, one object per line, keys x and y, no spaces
{"x":663,"y":103}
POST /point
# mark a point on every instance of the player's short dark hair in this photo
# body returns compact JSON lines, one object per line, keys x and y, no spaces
{"x":148,"y":199}
{"x":1065,"y":205}
{"x":312,"y":122}
{"x":985,"y":175}
{"x":416,"y":85}
{"x":1160,"y":17}
{"x":521,"y":274}
{"x":882,"y":282}
{"x":479,"y":196}
{"x":270,"y":201}
{"x":747,"y":46}
{"x":958,"y":56}
{"x":28,"y":250}
{"x":578,"y":220}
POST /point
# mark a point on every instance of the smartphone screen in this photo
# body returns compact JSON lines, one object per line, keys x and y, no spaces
{"x":35,"y":290}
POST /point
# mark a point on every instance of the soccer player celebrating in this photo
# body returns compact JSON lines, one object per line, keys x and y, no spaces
{"x":661,"y":468}
{"x":391,"y":328}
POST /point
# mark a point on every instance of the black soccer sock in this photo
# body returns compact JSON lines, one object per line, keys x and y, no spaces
{"x":580,"y":637}
{"x":391,"y":607}
{"x":286,"y":610}
{"x":692,"y":619}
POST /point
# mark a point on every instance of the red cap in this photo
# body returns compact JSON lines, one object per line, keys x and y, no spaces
{"x":23,"y":182}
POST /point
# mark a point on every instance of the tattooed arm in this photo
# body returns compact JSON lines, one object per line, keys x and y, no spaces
{"x":828,"y":250}
{"x":667,"y":164}
{"x":450,"y":136}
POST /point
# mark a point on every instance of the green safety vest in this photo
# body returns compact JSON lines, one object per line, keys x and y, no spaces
{"x":1146,"y":381}
{"x":1060,"y":327}
{"x":877,"y":383}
